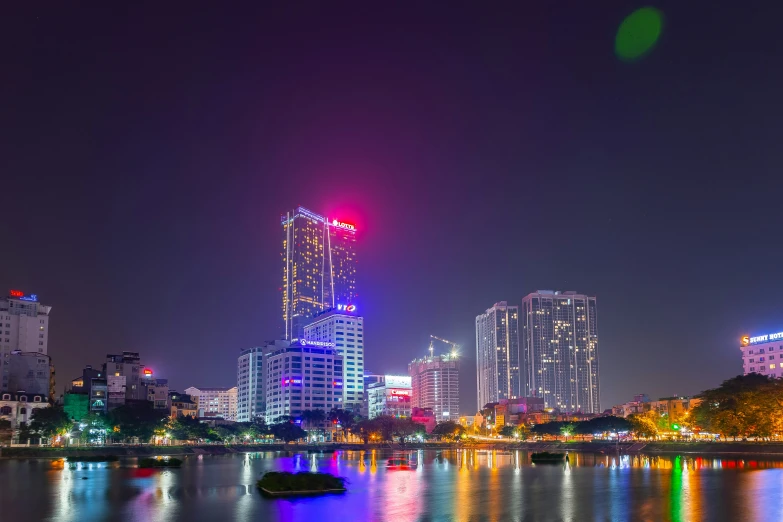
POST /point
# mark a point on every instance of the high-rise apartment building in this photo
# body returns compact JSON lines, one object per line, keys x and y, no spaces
{"x":215,"y":402}
{"x":497,"y":354}
{"x":319,"y":267}
{"x":24,"y":327}
{"x":560,"y":350}
{"x":342,"y":330}
{"x":251,"y":404}
{"x":301,"y":377}
{"x":435,"y":385}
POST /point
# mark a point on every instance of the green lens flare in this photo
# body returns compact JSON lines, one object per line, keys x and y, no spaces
{"x":638,"y":33}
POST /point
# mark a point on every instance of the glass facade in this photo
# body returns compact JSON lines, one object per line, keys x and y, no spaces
{"x":497,"y":354}
{"x":560,"y":350}
{"x":319,"y":267}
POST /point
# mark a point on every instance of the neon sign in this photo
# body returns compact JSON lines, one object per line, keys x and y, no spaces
{"x":346,"y":308}
{"x":22,"y":297}
{"x":403,"y":393}
{"x":286,"y":382}
{"x":315,"y":343}
{"x":340,"y":224}
{"x":747,"y":340}
{"x":147,"y":372}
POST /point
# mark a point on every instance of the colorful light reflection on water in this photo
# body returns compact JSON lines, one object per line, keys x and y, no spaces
{"x":448,"y":485}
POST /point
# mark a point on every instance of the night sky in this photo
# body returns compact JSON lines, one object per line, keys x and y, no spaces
{"x":148,"y":151}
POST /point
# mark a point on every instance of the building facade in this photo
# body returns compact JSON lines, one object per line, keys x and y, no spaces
{"x":435,"y":385}
{"x":251,"y":404}
{"x":560,"y":350}
{"x":128,"y":365}
{"x":342,"y":330}
{"x":319,"y":267}
{"x":300,"y":377}
{"x":497,"y":354}
{"x":29,"y":372}
{"x":392,"y":397}
{"x":19,"y":407}
{"x":24,"y":327}
{"x":215,"y":402}
{"x":763,"y":353}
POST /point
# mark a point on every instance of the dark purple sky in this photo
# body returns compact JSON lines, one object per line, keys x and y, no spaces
{"x":147,"y":152}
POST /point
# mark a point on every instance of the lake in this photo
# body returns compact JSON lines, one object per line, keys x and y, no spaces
{"x":449,"y":485}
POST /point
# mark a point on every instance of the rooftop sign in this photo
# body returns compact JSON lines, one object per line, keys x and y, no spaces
{"x":22,"y":297}
{"x":340,"y":224}
{"x":748,"y":340}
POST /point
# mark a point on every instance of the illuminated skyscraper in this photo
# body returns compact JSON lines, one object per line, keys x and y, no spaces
{"x":435,"y":385}
{"x":343,"y":331}
{"x":319,"y":267}
{"x":560,"y":350}
{"x":497,"y":354}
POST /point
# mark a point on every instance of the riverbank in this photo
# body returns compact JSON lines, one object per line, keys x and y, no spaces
{"x":771,"y":449}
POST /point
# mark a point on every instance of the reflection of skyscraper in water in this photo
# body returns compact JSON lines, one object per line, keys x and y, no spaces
{"x":319,"y":267}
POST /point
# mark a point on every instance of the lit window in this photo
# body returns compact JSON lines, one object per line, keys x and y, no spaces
{"x":771,"y":366}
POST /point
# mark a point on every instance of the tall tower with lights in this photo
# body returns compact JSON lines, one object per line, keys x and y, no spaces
{"x":560,"y":350}
{"x":497,"y":354}
{"x":319,"y":267}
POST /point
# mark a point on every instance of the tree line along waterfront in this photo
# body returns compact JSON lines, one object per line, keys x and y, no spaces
{"x":741,"y":408}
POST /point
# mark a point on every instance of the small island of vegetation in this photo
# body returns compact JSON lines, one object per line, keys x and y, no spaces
{"x":283,"y":483}
{"x":160,"y":463}
{"x":545,"y":457}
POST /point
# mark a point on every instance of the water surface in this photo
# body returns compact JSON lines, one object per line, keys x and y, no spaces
{"x":449,"y":485}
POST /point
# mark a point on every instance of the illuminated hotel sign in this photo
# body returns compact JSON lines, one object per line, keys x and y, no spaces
{"x":346,"y":308}
{"x":340,"y":224}
{"x":315,"y":343}
{"x":747,"y":340}
{"x":147,"y":372}
{"x":22,"y":297}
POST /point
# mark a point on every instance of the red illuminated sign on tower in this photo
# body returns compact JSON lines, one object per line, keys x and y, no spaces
{"x":16,"y":293}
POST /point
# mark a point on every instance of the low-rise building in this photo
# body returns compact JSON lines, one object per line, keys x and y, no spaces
{"x":215,"y":402}
{"x":157,"y":392}
{"x":183,"y":405}
{"x":424,"y":416}
{"x":390,"y":396}
{"x":18,"y":407}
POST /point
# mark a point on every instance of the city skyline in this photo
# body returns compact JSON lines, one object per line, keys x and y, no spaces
{"x":144,"y":200}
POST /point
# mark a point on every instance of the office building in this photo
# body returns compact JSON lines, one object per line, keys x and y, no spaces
{"x":128,"y":364}
{"x":391,"y":396}
{"x":342,"y":330}
{"x":300,"y":377}
{"x":497,"y":354}
{"x":250,"y":382}
{"x":560,"y":350}
{"x":763,"y":353}
{"x":24,"y":327}
{"x":435,"y":385}
{"x":319,"y":267}
{"x":215,"y":402}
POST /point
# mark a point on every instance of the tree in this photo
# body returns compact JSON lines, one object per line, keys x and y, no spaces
{"x":449,"y":429}
{"x":644,"y":424}
{"x":744,"y":406}
{"x":404,"y":428}
{"x":50,"y":422}
{"x":6,"y":432}
{"x":190,"y":429}
{"x":287,"y":431}
{"x":365,"y":429}
{"x":137,"y":421}
{"x":24,"y":433}
{"x":567,"y":429}
{"x":96,"y":427}
{"x":345,"y":418}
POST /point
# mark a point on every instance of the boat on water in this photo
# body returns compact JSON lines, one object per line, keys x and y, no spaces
{"x":401,"y":462}
{"x":545,"y":457}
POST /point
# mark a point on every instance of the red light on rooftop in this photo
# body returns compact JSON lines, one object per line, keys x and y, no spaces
{"x":16,"y":293}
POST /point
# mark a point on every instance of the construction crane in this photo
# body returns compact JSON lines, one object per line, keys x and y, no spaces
{"x":454,"y":346}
